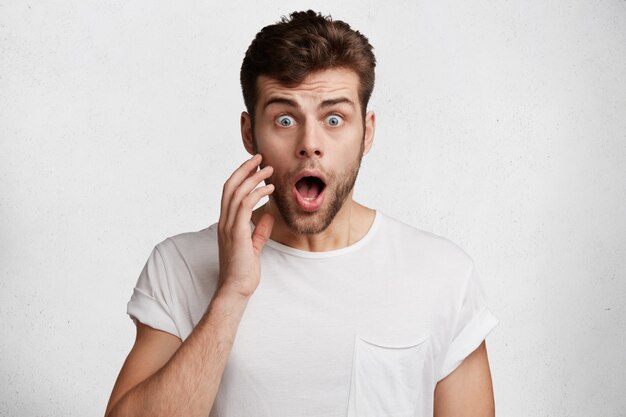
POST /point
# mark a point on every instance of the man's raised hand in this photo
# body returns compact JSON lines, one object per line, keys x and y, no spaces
{"x":239,"y":249}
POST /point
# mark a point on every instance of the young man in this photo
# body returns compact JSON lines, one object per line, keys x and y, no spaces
{"x":312,"y":304}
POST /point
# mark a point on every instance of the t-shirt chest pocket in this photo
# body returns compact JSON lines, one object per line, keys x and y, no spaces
{"x":389,"y":381}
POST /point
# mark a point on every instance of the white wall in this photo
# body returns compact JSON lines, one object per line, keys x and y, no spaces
{"x":501,"y":125}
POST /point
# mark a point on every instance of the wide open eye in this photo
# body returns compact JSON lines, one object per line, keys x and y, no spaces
{"x":285,"y":121}
{"x":334,"y":120}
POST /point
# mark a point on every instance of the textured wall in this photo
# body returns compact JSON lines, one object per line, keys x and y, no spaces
{"x":501,"y":125}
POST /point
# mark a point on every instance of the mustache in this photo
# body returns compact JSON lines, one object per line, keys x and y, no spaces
{"x":305,"y":165}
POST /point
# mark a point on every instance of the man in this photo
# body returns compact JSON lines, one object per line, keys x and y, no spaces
{"x":312,"y":304}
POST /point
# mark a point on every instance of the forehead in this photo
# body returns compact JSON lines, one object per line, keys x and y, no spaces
{"x":316,"y":87}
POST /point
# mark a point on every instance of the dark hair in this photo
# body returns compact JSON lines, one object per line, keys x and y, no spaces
{"x":306,"y":42}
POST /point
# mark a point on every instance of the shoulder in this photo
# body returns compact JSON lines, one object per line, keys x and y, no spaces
{"x":422,"y":244}
{"x":432,"y":261}
{"x":189,"y":240}
{"x":190,"y":247}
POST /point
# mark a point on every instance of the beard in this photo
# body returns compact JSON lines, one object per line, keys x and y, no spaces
{"x":338,"y":188}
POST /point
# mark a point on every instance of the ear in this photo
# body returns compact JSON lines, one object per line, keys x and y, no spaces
{"x":246,"y":132}
{"x":370,"y":124}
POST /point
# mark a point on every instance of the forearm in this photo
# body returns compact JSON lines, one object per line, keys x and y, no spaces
{"x":188,"y":383}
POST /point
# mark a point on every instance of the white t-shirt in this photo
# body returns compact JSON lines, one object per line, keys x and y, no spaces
{"x":366,"y":330}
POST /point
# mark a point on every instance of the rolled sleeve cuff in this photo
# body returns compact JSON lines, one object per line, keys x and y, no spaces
{"x":467,"y":341}
{"x":146,"y":309}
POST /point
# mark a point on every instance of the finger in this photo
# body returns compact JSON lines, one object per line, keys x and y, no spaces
{"x":244,"y":190}
{"x":262,"y":232}
{"x":244,"y":171}
{"x":244,"y":210}
{"x":246,"y":187}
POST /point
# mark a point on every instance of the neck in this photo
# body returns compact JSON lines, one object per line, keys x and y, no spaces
{"x":351,"y":223}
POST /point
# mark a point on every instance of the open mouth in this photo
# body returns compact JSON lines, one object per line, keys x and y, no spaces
{"x":310,"y":187}
{"x":309,"y":192}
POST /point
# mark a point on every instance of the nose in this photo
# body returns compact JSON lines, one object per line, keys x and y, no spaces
{"x":310,"y":143}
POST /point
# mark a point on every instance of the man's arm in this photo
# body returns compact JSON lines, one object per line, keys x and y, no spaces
{"x":185,"y":383}
{"x":164,"y":377}
{"x":467,"y":391}
{"x":151,"y":351}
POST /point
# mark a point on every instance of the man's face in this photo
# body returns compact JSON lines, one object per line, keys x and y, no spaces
{"x":314,"y":136}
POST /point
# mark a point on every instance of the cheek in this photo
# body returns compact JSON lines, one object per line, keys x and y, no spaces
{"x":270,"y":140}
{"x":276,"y":152}
{"x":349,"y":150}
{"x":272,"y":158}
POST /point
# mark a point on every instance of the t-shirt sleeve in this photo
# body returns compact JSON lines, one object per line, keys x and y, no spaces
{"x":473,"y":323}
{"x":148,"y":304}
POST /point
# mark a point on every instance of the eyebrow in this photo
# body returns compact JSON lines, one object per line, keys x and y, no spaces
{"x":292,"y":103}
{"x":280,"y":100}
{"x":333,"y":101}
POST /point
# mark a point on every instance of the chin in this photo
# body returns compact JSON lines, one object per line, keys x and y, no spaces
{"x":308,"y":223}
{"x":302,"y":222}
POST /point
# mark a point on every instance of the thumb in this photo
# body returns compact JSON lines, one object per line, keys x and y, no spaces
{"x":262,"y":232}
